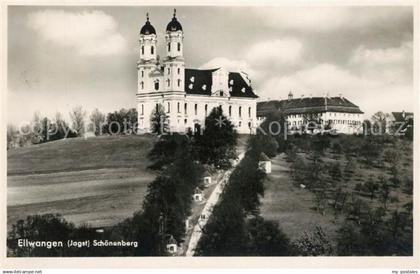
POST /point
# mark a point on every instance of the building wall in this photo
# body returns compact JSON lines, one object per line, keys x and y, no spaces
{"x":192,"y":110}
{"x":347,"y":123}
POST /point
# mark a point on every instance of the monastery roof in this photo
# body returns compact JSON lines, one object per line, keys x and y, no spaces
{"x":200,"y":82}
{"x":308,"y":105}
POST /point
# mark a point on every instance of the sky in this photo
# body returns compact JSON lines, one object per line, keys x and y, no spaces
{"x":61,"y":57}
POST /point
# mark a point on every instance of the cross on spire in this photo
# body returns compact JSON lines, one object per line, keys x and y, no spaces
{"x":147,"y":16}
{"x":174,"y":13}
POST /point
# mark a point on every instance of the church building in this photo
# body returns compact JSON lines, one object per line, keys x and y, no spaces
{"x":188,"y":95}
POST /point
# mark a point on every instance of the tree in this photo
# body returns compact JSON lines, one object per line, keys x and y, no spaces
{"x":384,"y":192}
{"x":12,"y":133}
{"x":217,"y":145}
{"x":77,"y":116}
{"x":36,"y":128}
{"x":349,"y":170}
{"x":122,"y":122}
{"x":335,"y":173}
{"x":380,"y":122}
{"x":315,"y":243}
{"x":159,"y":120}
{"x":97,"y":120}
{"x":371,"y":188}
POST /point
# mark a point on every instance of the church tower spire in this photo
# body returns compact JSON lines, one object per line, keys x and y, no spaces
{"x":174,"y":61}
{"x":147,"y":56}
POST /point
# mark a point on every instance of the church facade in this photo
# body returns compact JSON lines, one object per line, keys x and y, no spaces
{"x":187,"y":95}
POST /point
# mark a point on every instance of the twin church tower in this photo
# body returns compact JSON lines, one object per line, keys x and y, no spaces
{"x":187,"y":95}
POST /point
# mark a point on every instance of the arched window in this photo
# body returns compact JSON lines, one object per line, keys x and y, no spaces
{"x":142,"y":49}
{"x":142,"y":109}
{"x":179,"y":46}
{"x":185,"y":108}
{"x":169,"y":107}
{"x":142,"y":73}
{"x":169,"y":82}
{"x":169,"y":70}
{"x":141,"y":85}
{"x":169,"y":46}
{"x":195,"y":109}
{"x":249,"y":111}
{"x":179,"y":82}
{"x":205,"y":109}
{"x":240,"y":112}
{"x":230,"y":110}
{"x":178,"y":107}
{"x":152,"y":50}
{"x":179,"y":71}
{"x":157,"y":85}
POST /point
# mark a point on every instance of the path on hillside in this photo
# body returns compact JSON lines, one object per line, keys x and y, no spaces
{"x":208,"y":208}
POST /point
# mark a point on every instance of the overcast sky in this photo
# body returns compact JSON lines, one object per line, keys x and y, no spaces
{"x":60,"y":57}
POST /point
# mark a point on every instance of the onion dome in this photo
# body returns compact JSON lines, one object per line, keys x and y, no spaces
{"x":147,"y":29}
{"x":174,"y":25}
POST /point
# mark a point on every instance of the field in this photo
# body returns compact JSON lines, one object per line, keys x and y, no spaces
{"x":96,"y":181}
{"x":289,"y":205}
{"x":294,"y":208}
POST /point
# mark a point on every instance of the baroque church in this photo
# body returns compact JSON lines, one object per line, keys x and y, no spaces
{"x":188,"y":95}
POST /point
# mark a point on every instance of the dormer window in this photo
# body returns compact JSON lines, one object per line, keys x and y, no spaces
{"x":243,"y":90}
{"x":204,"y":87}
{"x":190,"y":86}
{"x":192,"y":79}
{"x":231,"y":82}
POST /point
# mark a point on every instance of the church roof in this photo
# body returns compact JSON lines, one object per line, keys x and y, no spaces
{"x":200,"y":82}
{"x":402,"y":116}
{"x":308,"y":105}
{"x":147,"y":28}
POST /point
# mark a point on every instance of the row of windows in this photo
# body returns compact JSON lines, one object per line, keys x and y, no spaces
{"x":152,"y":50}
{"x":320,"y":114}
{"x":168,"y":109}
{"x":178,"y":46}
{"x":168,"y":82}
{"x":169,"y":72}
{"x":342,"y":122}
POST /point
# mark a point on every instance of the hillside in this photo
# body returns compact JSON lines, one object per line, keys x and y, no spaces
{"x":98,"y":181}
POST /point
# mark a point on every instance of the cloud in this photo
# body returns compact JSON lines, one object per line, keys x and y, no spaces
{"x":324,"y":19}
{"x":271,"y":53}
{"x":232,"y":65}
{"x":394,"y":65}
{"x":90,"y":33}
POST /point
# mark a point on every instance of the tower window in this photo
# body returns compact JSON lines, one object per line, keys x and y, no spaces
{"x":178,"y":107}
{"x":185,"y":108}
{"x":142,"y":85}
{"x":142,"y":73}
{"x":169,"y":70}
{"x":142,"y":109}
{"x":195,"y":109}
{"x":179,"y":82}
{"x":169,"y":107}
{"x":230,"y":110}
{"x":152,"y":50}
{"x":179,"y":46}
{"x":221,"y":93}
{"x":157,"y":85}
{"x":205,"y":109}
{"x":169,"y":46}
{"x":249,"y":111}
{"x":169,"y":82}
{"x":240,"y":112}
{"x":142,"y":49}
{"x":179,"y":71}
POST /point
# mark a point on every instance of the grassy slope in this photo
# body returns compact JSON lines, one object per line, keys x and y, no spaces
{"x":292,"y":207}
{"x":98,"y":181}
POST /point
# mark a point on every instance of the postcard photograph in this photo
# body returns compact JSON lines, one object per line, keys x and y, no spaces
{"x":181,"y":131}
